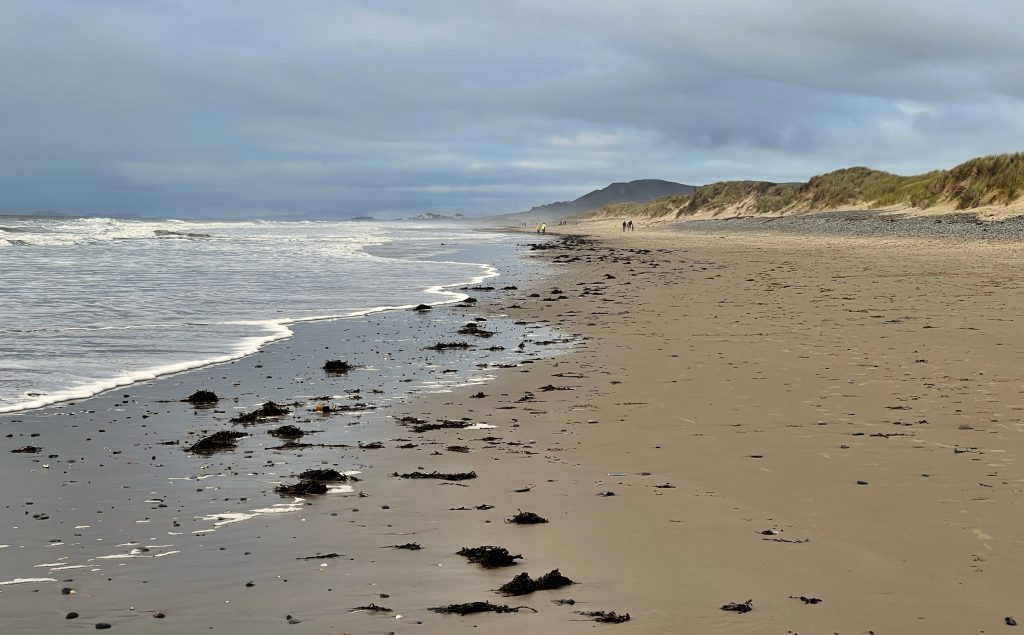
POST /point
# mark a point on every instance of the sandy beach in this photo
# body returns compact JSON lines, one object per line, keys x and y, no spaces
{"x":825,"y":426}
{"x":782,"y":419}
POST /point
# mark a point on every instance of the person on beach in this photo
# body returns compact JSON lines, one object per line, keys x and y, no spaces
{"x":623,"y":225}
{"x":543,"y":228}
{"x":630,"y":225}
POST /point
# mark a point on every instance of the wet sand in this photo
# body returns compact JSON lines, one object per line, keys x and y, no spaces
{"x":777,"y":416}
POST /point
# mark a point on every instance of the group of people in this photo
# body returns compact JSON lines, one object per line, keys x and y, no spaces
{"x":627,"y":226}
{"x":543,"y":227}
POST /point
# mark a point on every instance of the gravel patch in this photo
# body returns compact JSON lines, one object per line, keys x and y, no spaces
{"x":958,"y":227}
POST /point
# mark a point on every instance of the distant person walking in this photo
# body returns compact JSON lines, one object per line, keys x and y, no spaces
{"x":630,"y":225}
{"x":623,"y":225}
{"x":543,"y":228}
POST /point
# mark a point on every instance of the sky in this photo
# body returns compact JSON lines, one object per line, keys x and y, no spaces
{"x":256,"y":108}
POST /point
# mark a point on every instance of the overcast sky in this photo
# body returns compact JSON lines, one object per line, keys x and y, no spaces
{"x":254,"y":108}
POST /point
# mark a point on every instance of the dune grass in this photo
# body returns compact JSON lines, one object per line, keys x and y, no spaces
{"x":990,"y":180}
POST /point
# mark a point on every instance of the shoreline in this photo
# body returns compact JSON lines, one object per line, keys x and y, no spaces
{"x":246,"y":346}
{"x":97,"y":450}
{"x":732,"y":392}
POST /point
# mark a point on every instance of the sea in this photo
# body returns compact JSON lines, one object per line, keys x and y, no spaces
{"x":90,"y":304}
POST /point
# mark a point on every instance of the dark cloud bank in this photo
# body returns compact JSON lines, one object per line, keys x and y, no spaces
{"x":253,"y":108}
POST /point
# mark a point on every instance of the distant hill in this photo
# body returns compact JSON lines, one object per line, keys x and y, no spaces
{"x":995,"y":183}
{"x":640,"y":191}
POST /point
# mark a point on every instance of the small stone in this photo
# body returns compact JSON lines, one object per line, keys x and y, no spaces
{"x":70,"y":616}
{"x":862,"y":482}
{"x":102,"y":626}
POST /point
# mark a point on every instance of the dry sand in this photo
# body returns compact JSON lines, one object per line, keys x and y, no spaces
{"x":777,"y":416}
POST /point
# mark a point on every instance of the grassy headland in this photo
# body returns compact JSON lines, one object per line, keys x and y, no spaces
{"x":991,"y":181}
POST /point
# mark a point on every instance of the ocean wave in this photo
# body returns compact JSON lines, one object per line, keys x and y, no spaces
{"x":169,"y":233}
{"x":246,"y":347}
{"x":59,"y":232}
{"x":166,"y":312}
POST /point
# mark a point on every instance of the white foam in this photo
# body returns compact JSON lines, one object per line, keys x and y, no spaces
{"x":134,"y":553}
{"x":229,"y":518}
{"x":26,"y":581}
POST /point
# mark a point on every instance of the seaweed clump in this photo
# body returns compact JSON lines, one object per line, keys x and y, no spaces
{"x":526,"y":518}
{"x":447,"y":424}
{"x":739,"y":607}
{"x":443,"y":346}
{"x":472,"y":328}
{"x":203,"y":398}
{"x":326,"y":474}
{"x":477,"y":607}
{"x":337,"y":366}
{"x":408,"y":419}
{"x":523,"y":584}
{"x":287,"y":432}
{"x":302,"y":488}
{"x":216,"y":442}
{"x":489,"y":557}
{"x":269,"y":409}
{"x":606,"y":617}
{"x":372,"y":608}
{"x":443,"y":476}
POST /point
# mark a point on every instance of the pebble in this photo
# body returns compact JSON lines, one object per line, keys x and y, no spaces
{"x":963,"y":226}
